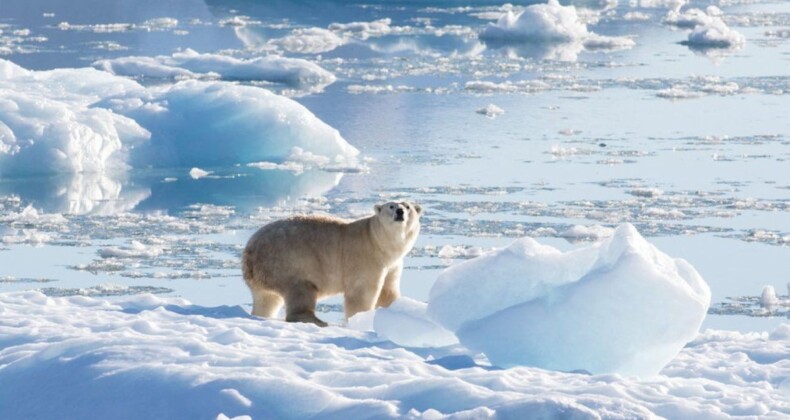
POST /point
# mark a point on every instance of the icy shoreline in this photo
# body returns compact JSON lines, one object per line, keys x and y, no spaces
{"x":145,"y":356}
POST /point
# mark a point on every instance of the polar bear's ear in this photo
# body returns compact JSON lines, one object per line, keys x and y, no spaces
{"x":418,"y":208}
{"x":377,"y":208}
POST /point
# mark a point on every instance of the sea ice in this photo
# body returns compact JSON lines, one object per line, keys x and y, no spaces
{"x":549,"y":23}
{"x":715,"y":34}
{"x":627,"y":304}
{"x":309,"y":41}
{"x":293,"y":72}
{"x":89,"y":121}
{"x":490,"y":111}
{"x":237,"y":124}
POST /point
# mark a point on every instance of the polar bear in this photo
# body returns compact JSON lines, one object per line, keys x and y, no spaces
{"x":299,"y":260}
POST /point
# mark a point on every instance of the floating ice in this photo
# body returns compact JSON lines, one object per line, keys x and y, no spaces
{"x":620,"y":305}
{"x":363,"y":30}
{"x":491,"y":111}
{"x":309,"y":41}
{"x":47,"y":123}
{"x":85,"y":120}
{"x":197,"y":173}
{"x":708,"y":28}
{"x":216,"y":123}
{"x":294,"y":72}
{"x":549,"y":23}
{"x":136,"y":250}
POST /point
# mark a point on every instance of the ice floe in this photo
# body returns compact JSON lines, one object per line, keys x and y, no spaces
{"x":295,"y":72}
{"x":84,"y":120}
{"x":522,"y":305}
{"x":549,"y":23}
{"x":309,"y":41}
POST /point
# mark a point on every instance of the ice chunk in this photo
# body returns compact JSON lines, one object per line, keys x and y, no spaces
{"x":715,"y":35}
{"x":490,"y":111}
{"x":768,"y":297}
{"x":197,"y":173}
{"x":294,"y":72}
{"x":549,"y":23}
{"x":619,"y":305}
{"x":217,"y":123}
{"x":405,"y":323}
{"x":88,"y":121}
{"x":309,"y":41}
{"x":47,"y":123}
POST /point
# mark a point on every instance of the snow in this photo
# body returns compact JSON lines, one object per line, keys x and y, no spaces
{"x":85,"y":120}
{"x":189,"y":63}
{"x":522,"y":305}
{"x":145,"y":356}
{"x":549,"y":23}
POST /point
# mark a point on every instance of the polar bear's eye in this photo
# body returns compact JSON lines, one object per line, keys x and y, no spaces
{"x":392,"y":207}
{"x":406,"y":205}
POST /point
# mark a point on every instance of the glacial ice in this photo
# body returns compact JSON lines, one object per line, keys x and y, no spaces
{"x":627,"y":304}
{"x":549,"y":23}
{"x":89,"y":121}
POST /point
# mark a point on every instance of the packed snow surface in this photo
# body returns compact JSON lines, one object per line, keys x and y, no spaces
{"x":85,"y":120}
{"x":189,"y":63}
{"x":144,"y":357}
{"x":525,"y":305}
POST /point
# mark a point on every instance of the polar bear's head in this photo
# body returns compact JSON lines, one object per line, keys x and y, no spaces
{"x":396,"y":226}
{"x":403,"y":214}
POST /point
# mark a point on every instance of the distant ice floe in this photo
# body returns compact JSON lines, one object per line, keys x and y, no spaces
{"x":767,"y":304}
{"x":364,"y":30}
{"x":309,"y":41}
{"x":549,"y":23}
{"x":708,"y":29}
{"x":491,"y":111}
{"x":155,"y":24}
{"x":522,"y":305}
{"x":294,"y":72}
{"x":89,"y":121}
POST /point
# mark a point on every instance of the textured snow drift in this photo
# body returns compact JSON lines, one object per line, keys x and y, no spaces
{"x":146,"y":357}
{"x":526,"y":305}
{"x":294,"y":72}
{"x":549,"y":23}
{"x":85,"y":120}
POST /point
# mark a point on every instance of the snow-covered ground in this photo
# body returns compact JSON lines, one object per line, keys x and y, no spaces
{"x":79,"y":357}
{"x":142,"y":142}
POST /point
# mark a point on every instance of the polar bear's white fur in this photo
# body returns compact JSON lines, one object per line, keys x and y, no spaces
{"x":299,"y":260}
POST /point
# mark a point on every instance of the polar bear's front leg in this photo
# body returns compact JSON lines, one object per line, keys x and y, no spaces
{"x":363,"y":296}
{"x":391,"y":289}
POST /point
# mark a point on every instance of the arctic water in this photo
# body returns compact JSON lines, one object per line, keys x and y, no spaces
{"x":497,"y":140}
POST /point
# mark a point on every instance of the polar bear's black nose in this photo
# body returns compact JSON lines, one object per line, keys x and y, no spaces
{"x":399,"y":212}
